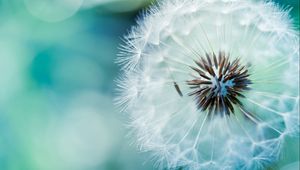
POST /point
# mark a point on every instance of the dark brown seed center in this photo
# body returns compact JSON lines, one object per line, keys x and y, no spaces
{"x":220,"y":83}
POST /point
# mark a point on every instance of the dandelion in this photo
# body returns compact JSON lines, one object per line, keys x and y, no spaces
{"x":211,"y":84}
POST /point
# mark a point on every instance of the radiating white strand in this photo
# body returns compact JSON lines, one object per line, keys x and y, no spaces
{"x":199,"y":131}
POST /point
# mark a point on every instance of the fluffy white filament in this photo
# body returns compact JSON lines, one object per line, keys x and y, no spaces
{"x":158,"y":52}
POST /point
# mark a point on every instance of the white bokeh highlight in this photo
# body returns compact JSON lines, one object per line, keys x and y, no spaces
{"x":53,"y":10}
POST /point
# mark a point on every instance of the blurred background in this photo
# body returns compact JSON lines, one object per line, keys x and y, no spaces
{"x":57,"y":85}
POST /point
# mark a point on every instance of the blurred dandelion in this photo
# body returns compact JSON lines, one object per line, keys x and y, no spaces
{"x":211,"y":84}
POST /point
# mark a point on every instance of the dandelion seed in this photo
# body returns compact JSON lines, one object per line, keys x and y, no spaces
{"x":211,"y":84}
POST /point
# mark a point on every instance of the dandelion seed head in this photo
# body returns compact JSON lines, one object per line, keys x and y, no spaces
{"x":211,"y":84}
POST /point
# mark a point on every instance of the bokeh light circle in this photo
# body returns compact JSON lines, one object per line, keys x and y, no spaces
{"x":53,"y":10}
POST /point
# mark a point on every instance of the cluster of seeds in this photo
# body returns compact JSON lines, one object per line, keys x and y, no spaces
{"x":220,"y":83}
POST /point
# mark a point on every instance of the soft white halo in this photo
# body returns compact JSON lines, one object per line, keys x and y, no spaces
{"x":53,"y":10}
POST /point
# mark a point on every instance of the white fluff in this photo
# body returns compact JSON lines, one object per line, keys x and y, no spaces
{"x":157,"y":52}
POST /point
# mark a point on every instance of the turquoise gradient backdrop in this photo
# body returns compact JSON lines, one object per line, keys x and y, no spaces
{"x":57,"y":75}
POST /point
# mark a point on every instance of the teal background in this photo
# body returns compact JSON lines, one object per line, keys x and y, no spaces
{"x":57,"y":75}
